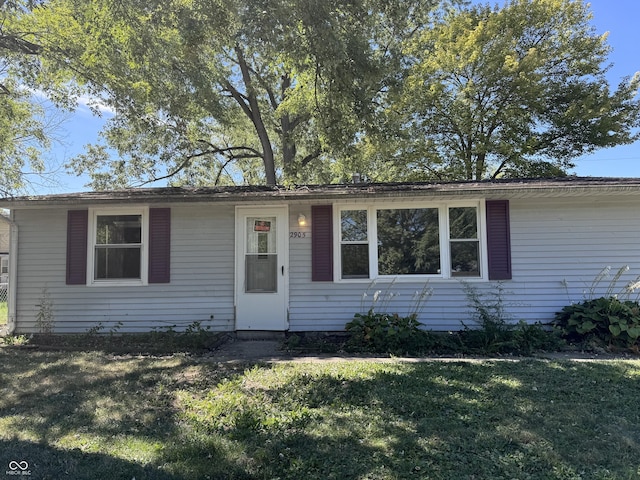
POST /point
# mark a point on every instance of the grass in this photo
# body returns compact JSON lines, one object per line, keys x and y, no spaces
{"x":3,"y":313}
{"x":83,"y":414}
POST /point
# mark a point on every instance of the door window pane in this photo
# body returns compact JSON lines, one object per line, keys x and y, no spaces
{"x":261,"y":235}
{"x":261,"y":273}
{"x":261,"y":258}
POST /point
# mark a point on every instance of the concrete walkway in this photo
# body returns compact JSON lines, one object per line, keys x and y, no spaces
{"x":239,"y":350}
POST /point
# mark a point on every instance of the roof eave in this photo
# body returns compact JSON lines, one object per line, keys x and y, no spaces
{"x":572,"y":186}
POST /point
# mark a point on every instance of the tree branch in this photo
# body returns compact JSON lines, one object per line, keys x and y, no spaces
{"x":16,"y":44}
{"x":214,"y":151}
{"x":309,"y":158}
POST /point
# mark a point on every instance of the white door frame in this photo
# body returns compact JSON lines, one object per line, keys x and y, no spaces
{"x":258,"y":310}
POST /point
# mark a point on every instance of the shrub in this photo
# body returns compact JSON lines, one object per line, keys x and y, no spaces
{"x":386,"y":333}
{"x":607,"y":319}
{"x":494,"y":330}
{"x":530,"y":338}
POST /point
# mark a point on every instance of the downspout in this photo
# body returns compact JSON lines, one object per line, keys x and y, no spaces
{"x":13,"y":273}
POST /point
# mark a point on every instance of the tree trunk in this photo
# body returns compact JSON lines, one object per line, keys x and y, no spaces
{"x":253,"y":111}
{"x":289,"y":149}
{"x":480,"y":165}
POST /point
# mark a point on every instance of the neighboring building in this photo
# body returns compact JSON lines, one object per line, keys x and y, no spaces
{"x":309,"y":258}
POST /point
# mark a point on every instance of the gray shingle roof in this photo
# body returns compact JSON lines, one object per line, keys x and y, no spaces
{"x":510,"y":188}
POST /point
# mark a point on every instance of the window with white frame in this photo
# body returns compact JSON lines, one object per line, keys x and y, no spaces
{"x":117,"y":252}
{"x":354,"y":239}
{"x":464,"y":242}
{"x":427,"y":240}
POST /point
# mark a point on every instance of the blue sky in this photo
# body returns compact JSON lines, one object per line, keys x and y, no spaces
{"x":618,"y":17}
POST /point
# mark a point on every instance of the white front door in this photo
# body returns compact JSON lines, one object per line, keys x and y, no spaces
{"x":261,"y":268}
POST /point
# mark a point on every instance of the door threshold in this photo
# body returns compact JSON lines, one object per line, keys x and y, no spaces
{"x":260,"y":334}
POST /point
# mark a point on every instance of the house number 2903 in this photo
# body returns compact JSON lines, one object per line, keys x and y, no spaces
{"x":297,"y":234}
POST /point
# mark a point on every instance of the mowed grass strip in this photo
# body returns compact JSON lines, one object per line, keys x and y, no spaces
{"x":95,"y":416}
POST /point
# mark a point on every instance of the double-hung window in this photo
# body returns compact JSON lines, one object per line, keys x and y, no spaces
{"x":118,"y":247}
{"x":464,"y":242}
{"x":410,"y":240}
{"x":354,"y":239}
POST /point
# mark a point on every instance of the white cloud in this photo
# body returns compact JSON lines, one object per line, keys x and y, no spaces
{"x":92,"y":103}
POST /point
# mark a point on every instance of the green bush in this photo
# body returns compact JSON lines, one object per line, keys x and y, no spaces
{"x":495,"y":332}
{"x":491,"y":332}
{"x":608,"y":319}
{"x":386,"y":333}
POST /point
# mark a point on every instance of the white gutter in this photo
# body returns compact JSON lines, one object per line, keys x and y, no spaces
{"x":13,"y":274}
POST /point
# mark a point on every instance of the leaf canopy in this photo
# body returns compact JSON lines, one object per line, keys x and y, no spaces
{"x":513,"y":91}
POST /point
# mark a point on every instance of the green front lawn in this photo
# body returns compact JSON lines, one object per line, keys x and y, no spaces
{"x":95,"y":416}
{"x":3,"y":313}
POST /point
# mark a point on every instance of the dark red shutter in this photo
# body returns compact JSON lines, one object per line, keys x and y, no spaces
{"x":77,"y":227}
{"x":159,"y":245}
{"x":322,"y":243}
{"x":498,"y":239}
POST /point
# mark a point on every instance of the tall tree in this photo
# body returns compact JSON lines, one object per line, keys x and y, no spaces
{"x":27,"y":128}
{"x":22,"y":135}
{"x":270,"y":86}
{"x":513,"y":91}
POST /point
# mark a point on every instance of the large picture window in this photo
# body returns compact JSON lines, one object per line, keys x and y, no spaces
{"x":118,"y":247}
{"x":438,"y":241}
{"x":408,"y":241}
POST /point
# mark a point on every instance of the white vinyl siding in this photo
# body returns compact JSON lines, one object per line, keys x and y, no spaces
{"x":201,"y":288}
{"x":554,"y":242}
{"x":558,"y":246}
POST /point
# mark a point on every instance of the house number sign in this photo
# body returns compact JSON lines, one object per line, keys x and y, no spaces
{"x":299,"y":235}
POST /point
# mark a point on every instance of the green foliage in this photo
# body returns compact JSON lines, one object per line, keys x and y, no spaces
{"x":494,"y":330}
{"x":388,"y":333}
{"x":15,"y":340}
{"x":27,"y":129}
{"x":511,"y":91}
{"x":248,"y":91}
{"x":536,"y":337}
{"x":609,"y":320}
{"x":493,"y":326}
{"x":194,"y":338}
{"x":288,"y":91}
